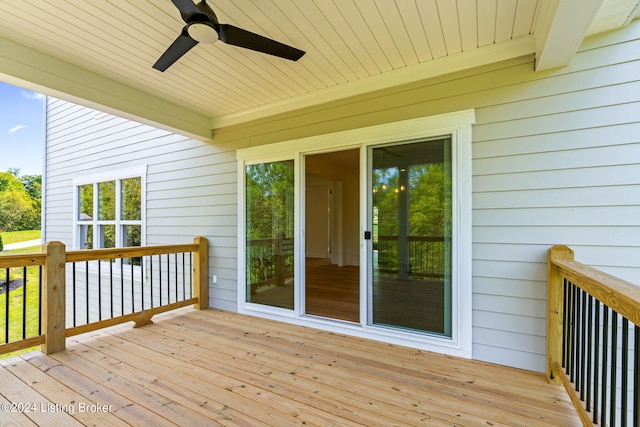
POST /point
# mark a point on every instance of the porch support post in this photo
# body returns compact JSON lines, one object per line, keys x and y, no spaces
{"x":555,"y":313}
{"x":201,"y":273}
{"x":53,"y":298}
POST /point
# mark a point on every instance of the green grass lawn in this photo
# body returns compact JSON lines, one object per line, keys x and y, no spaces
{"x":28,"y":250}
{"x":20,"y":236}
{"x":15,"y":299}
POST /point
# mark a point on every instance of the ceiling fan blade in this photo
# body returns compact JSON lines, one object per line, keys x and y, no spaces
{"x":243,"y":38}
{"x":187,"y":8}
{"x":179,"y":47}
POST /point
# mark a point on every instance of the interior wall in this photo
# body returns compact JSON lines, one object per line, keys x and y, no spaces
{"x":317,"y":217}
{"x":351,"y":215}
{"x":341,"y":169}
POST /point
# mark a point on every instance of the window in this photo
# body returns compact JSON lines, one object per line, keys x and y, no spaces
{"x":109,"y":210}
{"x":270,"y":233}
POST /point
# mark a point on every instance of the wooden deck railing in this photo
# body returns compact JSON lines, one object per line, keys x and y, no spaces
{"x":593,"y":335}
{"x":80,"y":291}
{"x":420,"y":257}
{"x":270,"y":262}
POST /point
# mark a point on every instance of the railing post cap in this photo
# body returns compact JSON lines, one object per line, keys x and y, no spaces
{"x":52,"y":243}
{"x":555,"y":250}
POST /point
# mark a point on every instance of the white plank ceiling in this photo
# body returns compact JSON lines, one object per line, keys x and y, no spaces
{"x":349,"y":44}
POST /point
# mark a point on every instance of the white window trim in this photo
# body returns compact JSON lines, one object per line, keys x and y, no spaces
{"x":114,"y":175}
{"x":458,"y":125}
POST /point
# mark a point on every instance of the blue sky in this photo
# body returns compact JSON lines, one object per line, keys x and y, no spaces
{"x":21,"y":130}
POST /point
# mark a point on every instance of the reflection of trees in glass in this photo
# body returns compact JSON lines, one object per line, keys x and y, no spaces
{"x":429,"y":217}
{"x":107,"y":212}
{"x":85,"y":213}
{"x":107,"y":235}
{"x":423,"y":185}
{"x":86,"y":202}
{"x":131,"y":210}
{"x":131,"y":199}
{"x":270,"y":200}
{"x":428,"y":197}
{"x":104,"y":197}
{"x":270,"y":219}
{"x":385,"y":200}
{"x":107,"y":201}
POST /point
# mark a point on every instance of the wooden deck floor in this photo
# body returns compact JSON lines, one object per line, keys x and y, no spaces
{"x":218,"y":368}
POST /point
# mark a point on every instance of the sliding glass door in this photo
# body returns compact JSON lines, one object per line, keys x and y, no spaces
{"x":269,"y":246}
{"x":365,"y":231}
{"x":411,"y":218}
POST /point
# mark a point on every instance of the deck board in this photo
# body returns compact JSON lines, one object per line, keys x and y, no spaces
{"x":218,"y":368}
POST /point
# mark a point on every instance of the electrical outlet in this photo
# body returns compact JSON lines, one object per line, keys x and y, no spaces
{"x":214,"y":279}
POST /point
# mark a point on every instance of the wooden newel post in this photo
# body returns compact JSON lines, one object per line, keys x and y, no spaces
{"x":201,"y":273}
{"x":555,"y":312}
{"x":53,"y":298}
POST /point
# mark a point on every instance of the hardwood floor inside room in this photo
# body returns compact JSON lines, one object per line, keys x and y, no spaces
{"x":332,"y":291}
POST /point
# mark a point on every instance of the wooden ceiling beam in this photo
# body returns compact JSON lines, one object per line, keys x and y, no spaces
{"x":561,"y":26}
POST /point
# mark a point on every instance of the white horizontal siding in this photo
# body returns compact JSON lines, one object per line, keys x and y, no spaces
{"x":191,"y":186}
{"x":556,"y":160}
{"x":559,"y":163}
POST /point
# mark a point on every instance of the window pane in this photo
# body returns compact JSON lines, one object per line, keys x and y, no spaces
{"x":107,"y":201}
{"x":131,"y":199}
{"x":107,"y":236}
{"x":86,"y":236}
{"x":85,"y":200}
{"x":131,"y":235}
{"x":412,"y":216}
{"x":270,"y":220}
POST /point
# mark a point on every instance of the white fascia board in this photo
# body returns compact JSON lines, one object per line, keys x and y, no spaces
{"x":33,"y":69}
{"x":561,"y":26}
{"x":513,"y":48}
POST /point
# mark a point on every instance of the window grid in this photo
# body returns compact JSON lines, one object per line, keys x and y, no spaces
{"x":95,"y":233}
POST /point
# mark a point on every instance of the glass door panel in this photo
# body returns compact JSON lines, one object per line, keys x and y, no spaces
{"x":270,"y":234}
{"x":332,"y":204}
{"x":411,"y":219}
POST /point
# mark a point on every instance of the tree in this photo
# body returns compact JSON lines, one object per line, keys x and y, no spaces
{"x":15,"y":210}
{"x":8,"y":181}
{"x":20,"y":207}
{"x":33,"y":185}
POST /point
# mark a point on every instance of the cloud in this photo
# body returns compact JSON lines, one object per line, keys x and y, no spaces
{"x":16,"y":129}
{"x":32,"y":95}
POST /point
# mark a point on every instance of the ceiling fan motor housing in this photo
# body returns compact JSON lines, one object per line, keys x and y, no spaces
{"x":203,"y":32}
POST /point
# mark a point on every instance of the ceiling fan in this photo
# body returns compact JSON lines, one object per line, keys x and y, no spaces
{"x":203,"y":26}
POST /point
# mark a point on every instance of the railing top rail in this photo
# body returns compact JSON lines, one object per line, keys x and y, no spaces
{"x":130,"y":252}
{"x":413,"y":238}
{"x":621,"y":296}
{"x":37,"y":258}
{"x":23,"y":260}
